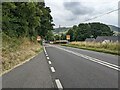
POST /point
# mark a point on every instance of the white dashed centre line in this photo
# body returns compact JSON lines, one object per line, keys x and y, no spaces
{"x":52,"y":69}
{"x":45,"y":51}
{"x":46,"y":54}
{"x":49,"y":62}
{"x":48,"y":58}
{"x":59,"y":85}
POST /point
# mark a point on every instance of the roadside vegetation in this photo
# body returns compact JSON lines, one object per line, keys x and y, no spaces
{"x":112,"y":48}
{"x":89,"y":30}
{"x":79,"y":33}
{"x":15,"y":51}
{"x":22,"y":22}
{"x":82,"y":31}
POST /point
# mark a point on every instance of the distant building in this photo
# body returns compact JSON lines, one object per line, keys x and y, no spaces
{"x":90,"y":39}
{"x":106,"y":39}
{"x":60,"y":41}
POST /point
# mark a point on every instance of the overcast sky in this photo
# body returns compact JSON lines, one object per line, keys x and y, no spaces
{"x":73,"y":12}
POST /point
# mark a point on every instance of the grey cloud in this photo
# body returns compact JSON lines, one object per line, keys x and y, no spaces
{"x":78,"y":8}
{"x":71,"y":19}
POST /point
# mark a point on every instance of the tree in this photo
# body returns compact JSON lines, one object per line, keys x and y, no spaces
{"x":57,"y":37}
{"x":86,"y":30}
{"x":99,"y":29}
{"x":63,"y":36}
{"x":49,"y":36}
{"x":71,"y":33}
{"x":26,"y":19}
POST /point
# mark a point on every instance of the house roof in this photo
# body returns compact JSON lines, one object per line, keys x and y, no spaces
{"x":102,"y":38}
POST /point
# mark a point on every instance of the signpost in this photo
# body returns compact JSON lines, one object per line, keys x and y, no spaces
{"x":68,"y":37}
{"x":38,"y":38}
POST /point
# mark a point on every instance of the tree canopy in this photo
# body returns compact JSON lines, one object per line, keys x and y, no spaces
{"x":88,"y":30}
{"x":26,"y":19}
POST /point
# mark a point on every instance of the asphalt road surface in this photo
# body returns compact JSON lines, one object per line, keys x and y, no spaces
{"x":65,"y":67}
{"x":33,"y":74}
{"x":77,"y":68}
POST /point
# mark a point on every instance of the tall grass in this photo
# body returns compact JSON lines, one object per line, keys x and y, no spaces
{"x":110,"y":47}
{"x":17,"y":50}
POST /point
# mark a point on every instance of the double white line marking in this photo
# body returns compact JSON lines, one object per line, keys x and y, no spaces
{"x":107,"y":64}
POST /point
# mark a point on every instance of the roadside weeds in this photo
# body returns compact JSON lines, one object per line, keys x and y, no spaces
{"x":114,"y":52}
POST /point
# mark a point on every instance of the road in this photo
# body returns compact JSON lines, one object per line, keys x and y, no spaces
{"x":33,"y":74}
{"x":65,"y":67}
{"x":74,"y":69}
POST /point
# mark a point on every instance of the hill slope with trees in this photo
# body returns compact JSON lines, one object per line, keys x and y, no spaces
{"x":22,"y":22}
{"x":88,"y":30}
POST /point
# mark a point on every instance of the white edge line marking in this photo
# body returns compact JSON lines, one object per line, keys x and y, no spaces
{"x":49,"y":62}
{"x":93,"y":59}
{"x":46,"y":54}
{"x":52,"y":69}
{"x":59,"y":85}
{"x":48,"y":58}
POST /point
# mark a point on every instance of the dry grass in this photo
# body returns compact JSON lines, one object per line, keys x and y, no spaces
{"x":15,"y":52}
{"x":109,"y":46}
{"x":112,"y":48}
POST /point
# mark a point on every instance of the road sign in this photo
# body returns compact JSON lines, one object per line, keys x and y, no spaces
{"x":68,"y":37}
{"x":38,"y":38}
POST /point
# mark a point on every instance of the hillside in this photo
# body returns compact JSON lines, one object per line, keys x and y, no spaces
{"x":21,"y":24}
{"x":60,"y":30}
{"x":114,"y":28}
{"x":65,"y":29}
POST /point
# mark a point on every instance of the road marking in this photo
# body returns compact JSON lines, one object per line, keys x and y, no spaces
{"x":48,"y":58}
{"x":45,"y":50}
{"x":52,"y":69}
{"x":59,"y":85}
{"x":107,"y":64}
{"x":49,"y":62}
{"x":102,"y":61}
{"x":46,"y":53}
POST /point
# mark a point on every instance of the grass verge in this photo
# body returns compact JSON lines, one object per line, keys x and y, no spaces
{"x":111,"y":48}
{"x":16,"y":51}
